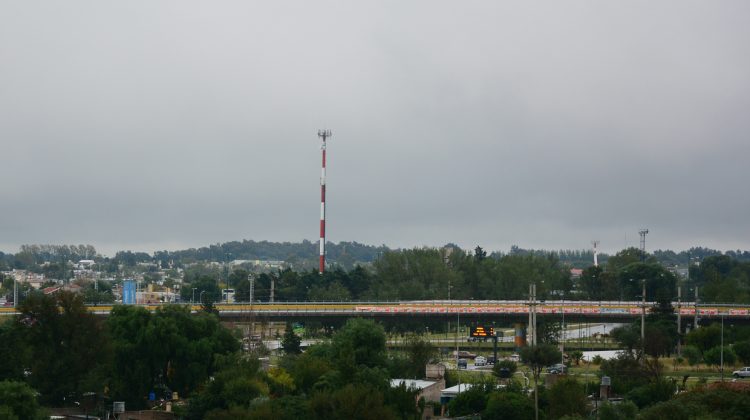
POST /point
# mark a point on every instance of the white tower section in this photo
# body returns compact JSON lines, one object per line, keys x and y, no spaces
{"x":596,"y":253}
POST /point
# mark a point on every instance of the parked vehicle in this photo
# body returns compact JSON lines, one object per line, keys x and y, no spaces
{"x":557,"y":369}
{"x":742,"y":373}
{"x":480,"y":361}
{"x":462,"y":364}
{"x":465,"y":354}
{"x":491,"y":360}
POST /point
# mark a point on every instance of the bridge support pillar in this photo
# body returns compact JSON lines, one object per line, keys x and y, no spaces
{"x":520,"y":335}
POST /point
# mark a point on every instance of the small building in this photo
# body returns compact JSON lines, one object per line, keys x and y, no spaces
{"x":429,"y":390}
{"x":447,"y":394}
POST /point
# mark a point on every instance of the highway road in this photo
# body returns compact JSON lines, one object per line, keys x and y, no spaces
{"x":580,"y":309}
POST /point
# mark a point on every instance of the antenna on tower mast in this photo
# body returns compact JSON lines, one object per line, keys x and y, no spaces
{"x":643,"y":233}
{"x":596,"y":253}
{"x":323,"y":134}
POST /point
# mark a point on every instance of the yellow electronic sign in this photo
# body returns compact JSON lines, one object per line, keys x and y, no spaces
{"x":482,"y":331}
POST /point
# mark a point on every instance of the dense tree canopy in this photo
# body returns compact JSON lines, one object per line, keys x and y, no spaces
{"x":167,"y":350}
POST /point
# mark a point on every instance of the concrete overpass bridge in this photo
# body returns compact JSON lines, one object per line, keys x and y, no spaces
{"x":469,"y":310}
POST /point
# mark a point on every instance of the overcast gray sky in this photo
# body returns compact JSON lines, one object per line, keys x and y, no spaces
{"x":151,"y":125}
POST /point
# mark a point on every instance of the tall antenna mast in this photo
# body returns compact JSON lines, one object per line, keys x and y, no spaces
{"x":643,"y":233}
{"x":323,"y":134}
{"x":596,"y":253}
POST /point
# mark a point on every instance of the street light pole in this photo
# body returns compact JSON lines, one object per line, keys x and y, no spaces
{"x":696,"y":318}
{"x":722,"y":348}
{"x":193,"y":298}
{"x":562,"y":337}
{"x":643,"y":320}
{"x":679,"y":321}
{"x":532,"y":315}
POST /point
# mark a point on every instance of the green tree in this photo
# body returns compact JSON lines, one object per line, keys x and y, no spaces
{"x":692,"y":354}
{"x":661,"y":284}
{"x":170,"y":348}
{"x":206,"y":289}
{"x":508,"y":405}
{"x":419,"y":353}
{"x":360,"y":342}
{"x":66,"y":343}
{"x":590,"y":283}
{"x":308,"y":368}
{"x":625,"y":257}
{"x":504,"y":367}
{"x":14,"y":351}
{"x":576,"y":356}
{"x":704,"y":338}
{"x":713,"y":356}
{"x":720,"y":402}
{"x":290,"y":343}
{"x":236,"y":384}
{"x":626,"y":410}
{"x":415,"y":274}
{"x":18,"y":401}
{"x":471,"y":401}
{"x":350,"y":402}
{"x":742,"y":350}
{"x":651,"y":393}
{"x":625,"y":371}
{"x":537,"y":358}
{"x":567,"y":397}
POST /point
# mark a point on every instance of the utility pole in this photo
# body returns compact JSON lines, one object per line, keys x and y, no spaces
{"x":643,"y":320}
{"x":324,"y":134}
{"x":696,"y":318}
{"x":273,"y":283}
{"x":251,"y":279}
{"x":458,"y":333}
{"x":722,"y":348}
{"x":530,"y":329}
{"x":562,"y":337}
{"x":532,"y":314}
{"x":679,"y":320}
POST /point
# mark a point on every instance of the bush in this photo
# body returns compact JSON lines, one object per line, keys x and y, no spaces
{"x":508,"y":405}
{"x":624,"y":411}
{"x":626,"y":373}
{"x":18,"y":401}
{"x":714,"y":403}
{"x":692,"y":354}
{"x":472,"y":401}
{"x":713,"y":356}
{"x":643,"y":396}
{"x":742,"y":350}
{"x":567,"y":397}
{"x":504,"y":367}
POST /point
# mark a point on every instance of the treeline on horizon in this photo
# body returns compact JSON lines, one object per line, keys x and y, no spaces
{"x":304,"y":254}
{"x":431,"y":274}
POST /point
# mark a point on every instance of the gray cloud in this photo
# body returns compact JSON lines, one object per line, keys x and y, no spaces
{"x":150,"y":125}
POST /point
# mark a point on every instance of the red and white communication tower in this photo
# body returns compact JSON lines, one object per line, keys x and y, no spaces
{"x":323,"y":134}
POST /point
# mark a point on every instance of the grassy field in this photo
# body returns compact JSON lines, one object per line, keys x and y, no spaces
{"x":590,"y":372}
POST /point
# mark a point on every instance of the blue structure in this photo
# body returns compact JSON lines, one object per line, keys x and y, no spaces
{"x":128,"y":292}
